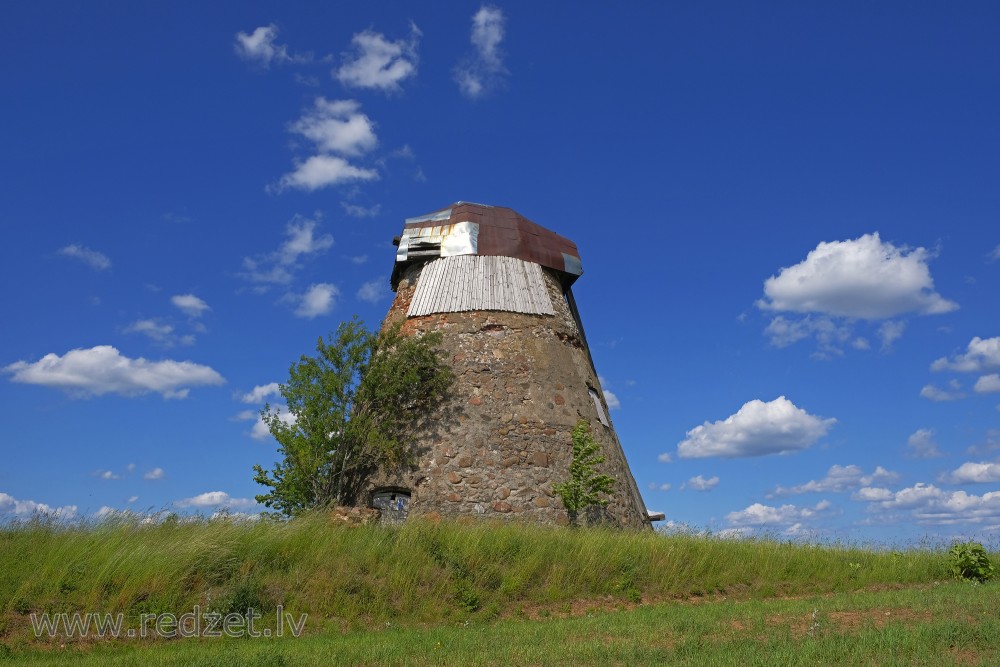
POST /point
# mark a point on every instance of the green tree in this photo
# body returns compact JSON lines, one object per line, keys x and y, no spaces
{"x":584,"y":486}
{"x":350,"y":410}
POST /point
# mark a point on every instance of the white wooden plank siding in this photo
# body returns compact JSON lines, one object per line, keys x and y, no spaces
{"x":471,"y":282}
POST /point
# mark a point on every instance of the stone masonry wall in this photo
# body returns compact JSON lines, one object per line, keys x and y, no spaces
{"x":501,"y":442}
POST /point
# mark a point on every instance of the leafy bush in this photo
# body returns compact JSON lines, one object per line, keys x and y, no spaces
{"x":968,"y":560}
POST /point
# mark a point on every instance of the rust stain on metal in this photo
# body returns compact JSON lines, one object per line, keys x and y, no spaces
{"x":476,"y":229}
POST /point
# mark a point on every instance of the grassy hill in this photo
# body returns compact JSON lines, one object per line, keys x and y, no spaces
{"x":413,"y":584}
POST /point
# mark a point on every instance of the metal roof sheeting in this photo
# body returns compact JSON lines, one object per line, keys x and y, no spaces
{"x":473,"y":282}
{"x":498,"y":231}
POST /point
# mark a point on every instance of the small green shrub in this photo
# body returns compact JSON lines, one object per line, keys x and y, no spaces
{"x":968,"y":560}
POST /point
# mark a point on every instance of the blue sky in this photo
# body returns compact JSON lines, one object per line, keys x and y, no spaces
{"x":788,"y":214}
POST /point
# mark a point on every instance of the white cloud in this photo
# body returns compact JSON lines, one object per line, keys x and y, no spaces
{"x":996,"y":253}
{"x":107,"y":474}
{"x":94,"y":259}
{"x":484,"y":71}
{"x":988,"y":383}
{"x":11,"y":506}
{"x":278,"y":267}
{"x":378,"y":62}
{"x":766,"y":515}
{"x":358,"y":259}
{"x":317,"y":300}
{"x":155,"y":473}
{"x":102,"y":369}
{"x":890,"y":332}
{"x":927,"y":504}
{"x":260,"y":393}
{"x":373,"y":291}
{"x":132,"y":499}
{"x":159,"y":332}
{"x":864,"y":278}
{"x":337,"y":127}
{"x":214,"y":499}
{"x":665,"y":457}
{"x":838,"y":480}
{"x":922,"y":445}
{"x":260,"y":430}
{"x":973,"y":473}
{"x":189,"y":304}
{"x":302,"y":241}
{"x":758,"y":428}
{"x":653,"y":486}
{"x":699,"y":483}
{"x":321,"y":171}
{"x":258,"y":46}
{"x":829,"y":334}
{"x":981,"y":354}
{"x":871,"y":494}
{"x":612,"y":400}
{"x":356,"y":211}
{"x":933,"y":393}
{"x":244,"y":416}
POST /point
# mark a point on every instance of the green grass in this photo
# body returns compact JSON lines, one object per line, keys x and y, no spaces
{"x":953,"y":623}
{"x":419,"y":582}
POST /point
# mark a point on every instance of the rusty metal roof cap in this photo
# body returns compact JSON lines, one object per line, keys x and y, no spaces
{"x":496,"y":231}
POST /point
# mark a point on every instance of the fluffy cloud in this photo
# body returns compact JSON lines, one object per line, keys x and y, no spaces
{"x":259,"y":47}
{"x":699,"y":483}
{"x":321,"y":171}
{"x":929,"y":505}
{"x":938,"y":395}
{"x":890,"y":332}
{"x":155,"y":473}
{"x":92,"y":258}
{"x":159,"y":332}
{"x":758,"y":428}
{"x":973,"y":473}
{"x":317,"y":300}
{"x":378,"y":62}
{"x":278,"y":267}
{"x":337,"y":126}
{"x":829,"y":334}
{"x":484,"y":71}
{"x":864,"y":278}
{"x":786,"y":515}
{"x":214,"y":499}
{"x":922,"y":445}
{"x":871,"y":494}
{"x":373,"y":291}
{"x":22,"y":509}
{"x":102,"y":370}
{"x":189,"y":304}
{"x":996,"y":253}
{"x":260,"y":430}
{"x":838,"y":479}
{"x":988,"y":383}
{"x":260,"y":393}
{"x":339,"y":130}
{"x":980,"y":355}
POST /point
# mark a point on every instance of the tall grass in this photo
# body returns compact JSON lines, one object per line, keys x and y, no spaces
{"x":416,"y":574}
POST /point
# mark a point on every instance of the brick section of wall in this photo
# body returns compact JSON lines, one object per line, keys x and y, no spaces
{"x":499,"y":444}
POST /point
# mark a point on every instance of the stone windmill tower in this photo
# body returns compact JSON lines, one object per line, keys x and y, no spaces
{"x":498,"y":287}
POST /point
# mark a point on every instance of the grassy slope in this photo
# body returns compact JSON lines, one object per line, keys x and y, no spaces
{"x":426,"y":579}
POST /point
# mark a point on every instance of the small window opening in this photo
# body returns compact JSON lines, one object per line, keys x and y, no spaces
{"x":601,"y":415}
{"x":393,"y":503}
